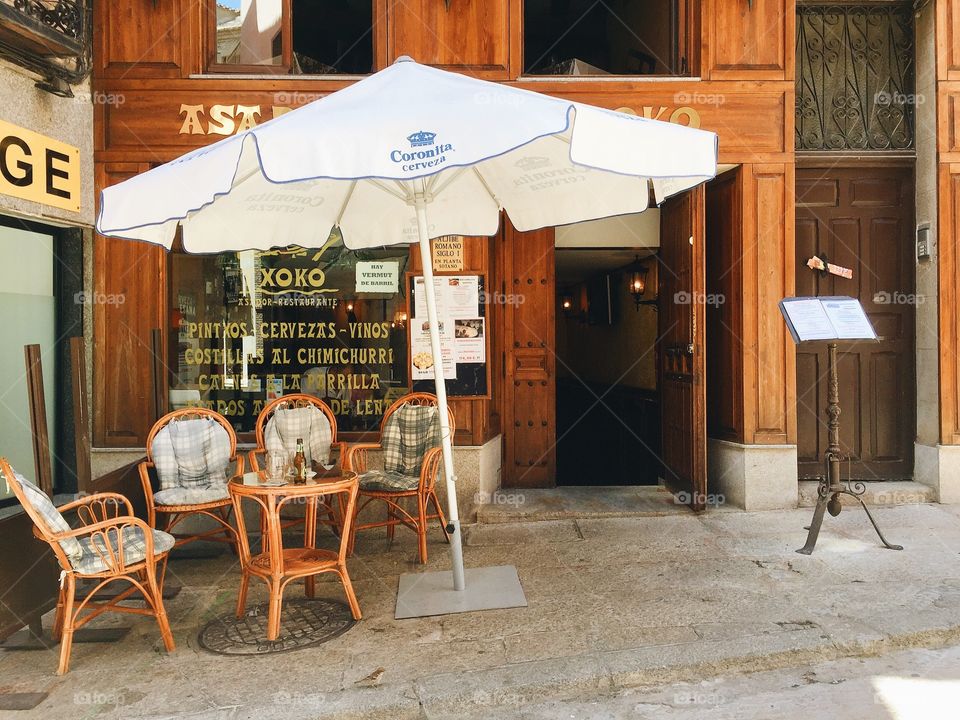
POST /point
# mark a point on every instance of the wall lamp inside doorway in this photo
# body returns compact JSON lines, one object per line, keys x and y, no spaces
{"x":636,"y":274}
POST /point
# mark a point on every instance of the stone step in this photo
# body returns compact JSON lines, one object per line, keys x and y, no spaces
{"x":876,"y":493}
{"x":570,"y":503}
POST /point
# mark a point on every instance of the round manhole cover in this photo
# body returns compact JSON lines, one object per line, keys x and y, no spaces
{"x":303,"y":623}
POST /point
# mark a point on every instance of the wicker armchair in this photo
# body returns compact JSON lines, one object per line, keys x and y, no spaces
{"x":193,"y":478}
{"x":110,"y":544}
{"x":318,"y":441}
{"x":398,"y":481}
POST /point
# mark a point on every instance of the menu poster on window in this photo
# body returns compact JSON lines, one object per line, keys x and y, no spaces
{"x":470,"y":344}
{"x":458,"y":296}
{"x":421,"y":351}
{"x":826,"y":318}
{"x":461,"y":310}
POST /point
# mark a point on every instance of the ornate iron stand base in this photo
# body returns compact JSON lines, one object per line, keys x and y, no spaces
{"x":831,"y":487}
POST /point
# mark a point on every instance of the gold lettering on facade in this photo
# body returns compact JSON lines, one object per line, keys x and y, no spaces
{"x":684,"y":115}
{"x":231,"y":119}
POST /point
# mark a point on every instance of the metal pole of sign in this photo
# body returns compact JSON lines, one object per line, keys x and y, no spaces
{"x":831,"y":487}
{"x":453,"y":515}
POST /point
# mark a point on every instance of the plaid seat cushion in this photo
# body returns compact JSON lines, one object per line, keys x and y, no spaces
{"x":408,"y":434}
{"x":195,"y":495}
{"x":56,"y":523}
{"x":191,"y":453}
{"x":388,"y":481}
{"x":95,"y":556}
{"x":309,"y":423}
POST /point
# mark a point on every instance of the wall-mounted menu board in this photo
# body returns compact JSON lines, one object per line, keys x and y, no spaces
{"x":464,"y":332}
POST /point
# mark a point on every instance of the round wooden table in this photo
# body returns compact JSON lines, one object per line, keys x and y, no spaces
{"x":278,"y":566}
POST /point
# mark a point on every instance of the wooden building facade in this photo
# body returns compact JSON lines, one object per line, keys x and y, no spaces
{"x":726,"y":372}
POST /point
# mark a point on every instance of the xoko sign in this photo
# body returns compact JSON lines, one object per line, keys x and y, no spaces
{"x":37,"y":168}
{"x":684,"y":115}
{"x":292,"y":271}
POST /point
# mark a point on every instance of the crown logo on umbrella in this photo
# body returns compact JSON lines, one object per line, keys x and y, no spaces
{"x":421,"y":138}
{"x":532,"y":163}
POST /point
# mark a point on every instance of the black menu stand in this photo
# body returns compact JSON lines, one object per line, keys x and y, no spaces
{"x":829,"y":319}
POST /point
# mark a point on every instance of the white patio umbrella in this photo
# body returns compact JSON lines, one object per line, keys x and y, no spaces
{"x":409,"y":154}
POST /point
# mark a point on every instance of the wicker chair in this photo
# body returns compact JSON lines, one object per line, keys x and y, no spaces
{"x":393,"y":486}
{"x":205,"y":492}
{"x":109,"y":545}
{"x":313,"y":441}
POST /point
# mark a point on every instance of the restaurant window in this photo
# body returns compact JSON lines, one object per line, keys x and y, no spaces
{"x":250,"y":326}
{"x":28,"y":313}
{"x":614,"y":37}
{"x":296,"y":37}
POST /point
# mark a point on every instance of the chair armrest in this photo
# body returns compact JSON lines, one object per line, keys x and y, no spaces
{"x":252,"y":456}
{"x":430,"y":469}
{"x":355,"y":458}
{"x":96,"y":508}
{"x":145,"y":482}
{"x":113,"y":557}
{"x":238,"y":458}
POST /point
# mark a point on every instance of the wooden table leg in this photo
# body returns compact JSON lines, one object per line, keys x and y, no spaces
{"x":276,"y":570}
{"x":310,"y":541}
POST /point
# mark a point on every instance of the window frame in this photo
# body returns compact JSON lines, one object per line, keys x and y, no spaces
{"x":684,"y":23}
{"x":211,"y":66}
{"x":286,"y":42}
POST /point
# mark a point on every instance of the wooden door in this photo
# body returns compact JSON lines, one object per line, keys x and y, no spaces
{"x":860,"y":218}
{"x":529,"y":391}
{"x":681,"y":346}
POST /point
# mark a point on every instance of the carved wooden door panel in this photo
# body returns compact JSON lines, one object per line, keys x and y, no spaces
{"x":860,"y":218}
{"x":529,"y":390}
{"x":681,"y":347}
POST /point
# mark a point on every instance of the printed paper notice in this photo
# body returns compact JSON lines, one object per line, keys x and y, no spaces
{"x":809,"y":319}
{"x":421,"y":351}
{"x":458,"y":296}
{"x":469,"y":340}
{"x":849,"y":319}
{"x":377,"y":277}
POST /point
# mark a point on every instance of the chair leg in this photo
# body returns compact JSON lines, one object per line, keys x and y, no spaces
{"x":156,"y":591}
{"x":58,"y":622}
{"x":242,"y":595}
{"x":66,"y":640}
{"x":351,"y":595}
{"x":230,"y":532}
{"x":443,"y":521}
{"x":353,"y":528}
{"x":422,"y":528}
{"x":391,"y":528}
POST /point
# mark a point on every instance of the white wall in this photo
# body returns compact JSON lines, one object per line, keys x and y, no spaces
{"x":629,"y":231}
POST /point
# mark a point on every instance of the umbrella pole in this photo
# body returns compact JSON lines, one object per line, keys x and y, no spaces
{"x":453,"y":515}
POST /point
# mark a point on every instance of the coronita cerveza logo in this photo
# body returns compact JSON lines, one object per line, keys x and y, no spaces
{"x":424,"y":153}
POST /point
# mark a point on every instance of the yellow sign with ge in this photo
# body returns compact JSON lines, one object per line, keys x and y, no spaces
{"x":35,"y":167}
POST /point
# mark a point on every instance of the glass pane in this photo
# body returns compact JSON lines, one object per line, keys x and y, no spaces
{"x":27,"y":316}
{"x":249,"y":32}
{"x":335,"y":36}
{"x":586,"y":37}
{"x":250,"y":326}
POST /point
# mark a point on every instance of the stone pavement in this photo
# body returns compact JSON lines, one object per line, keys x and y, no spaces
{"x":906,"y":685}
{"x":614,"y":604}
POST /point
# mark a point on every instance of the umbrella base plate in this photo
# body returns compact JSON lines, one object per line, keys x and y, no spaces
{"x":432,"y":593}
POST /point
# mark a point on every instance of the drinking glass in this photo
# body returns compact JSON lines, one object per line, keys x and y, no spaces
{"x":277,"y":464}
